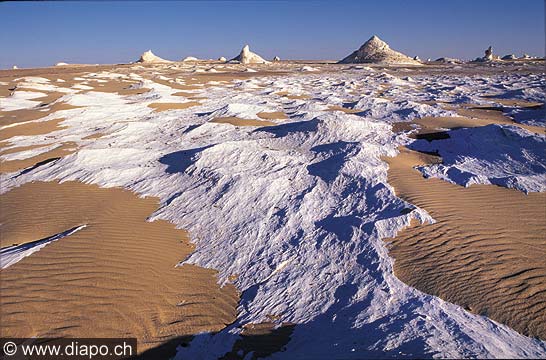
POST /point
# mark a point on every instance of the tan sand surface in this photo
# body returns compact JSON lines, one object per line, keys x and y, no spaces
{"x":172,"y":106}
{"x":93,"y":136}
{"x":185,"y":94}
{"x":24,"y":115}
{"x":114,"y":278}
{"x":287,"y":95}
{"x":486,"y":250}
{"x":517,"y":103}
{"x":32,"y":128}
{"x":233,"y":120}
{"x":117,"y":86}
{"x":273,"y":115}
{"x":18,"y":148}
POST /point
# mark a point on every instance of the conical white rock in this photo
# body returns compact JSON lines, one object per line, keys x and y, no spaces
{"x":376,"y":50}
{"x":191,"y":58}
{"x":276,"y":58}
{"x":150,"y":57}
{"x":221,"y":58}
{"x":248,"y":57}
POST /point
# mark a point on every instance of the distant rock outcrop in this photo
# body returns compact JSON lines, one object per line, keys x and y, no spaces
{"x":248,"y":57}
{"x":489,"y":56}
{"x":61,"y":64}
{"x":190,"y":58}
{"x":446,"y":60}
{"x":376,"y":50}
{"x":509,"y":57}
{"x":276,"y":59}
{"x":221,"y":58}
{"x":150,"y":57}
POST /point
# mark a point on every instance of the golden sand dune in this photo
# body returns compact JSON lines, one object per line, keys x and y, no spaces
{"x":20,"y":116}
{"x":288,"y":95}
{"x":486,"y":250}
{"x":172,"y":106}
{"x":233,"y":120}
{"x":118,"y":86}
{"x":186,"y":94}
{"x":31,"y":128}
{"x":273,"y":115}
{"x":24,"y":115}
{"x":115,"y":278}
{"x":17,"y":149}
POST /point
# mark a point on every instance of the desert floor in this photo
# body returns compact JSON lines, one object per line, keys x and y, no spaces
{"x":233,"y":209}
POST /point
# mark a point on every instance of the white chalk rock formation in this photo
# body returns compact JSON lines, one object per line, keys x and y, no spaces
{"x":276,"y":59}
{"x":61,"y":64}
{"x":447,"y":60}
{"x":489,"y":56}
{"x":15,"y":67}
{"x":376,"y":50}
{"x":509,"y":57}
{"x":190,"y":58}
{"x":248,"y":57}
{"x":221,"y":58}
{"x":150,"y":57}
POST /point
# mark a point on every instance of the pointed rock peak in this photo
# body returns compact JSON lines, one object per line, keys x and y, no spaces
{"x":375,"y":39}
{"x":375,"y":43}
{"x":376,"y":50}
{"x":248,"y":57}
{"x":150,"y":57}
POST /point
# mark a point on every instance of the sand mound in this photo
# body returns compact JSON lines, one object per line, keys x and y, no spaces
{"x":116,"y":277}
{"x":235,"y":121}
{"x":376,"y":50}
{"x":488,"y":259}
{"x":248,"y":57}
{"x":150,"y":57}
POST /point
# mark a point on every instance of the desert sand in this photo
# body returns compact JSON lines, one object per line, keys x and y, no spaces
{"x":281,"y":285}
{"x":117,"y":277}
{"x":172,"y":106}
{"x":233,"y":120}
{"x":485,"y":251}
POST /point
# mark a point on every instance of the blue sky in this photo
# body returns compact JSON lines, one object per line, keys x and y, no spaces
{"x":43,"y":33}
